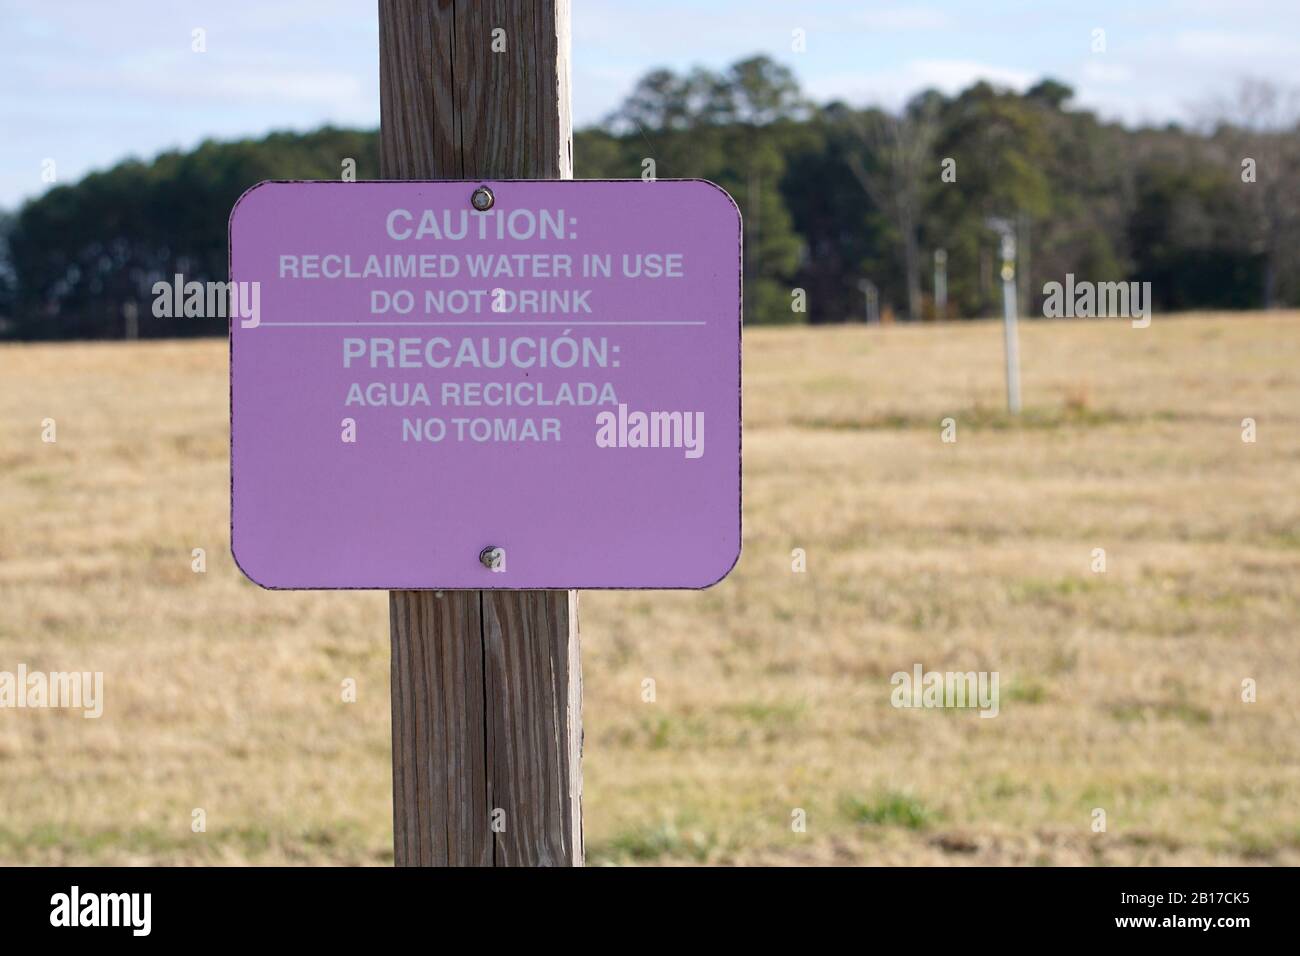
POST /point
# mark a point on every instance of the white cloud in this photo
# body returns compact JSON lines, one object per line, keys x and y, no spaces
{"x":953,"y":75}
{"x":1095,"y":71}
{"x":898,"y":19}
{"x":1240,"y":45}
{"x":891,"y":88}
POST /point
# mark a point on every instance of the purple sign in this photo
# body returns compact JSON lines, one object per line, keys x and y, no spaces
{"x":512,"y":384}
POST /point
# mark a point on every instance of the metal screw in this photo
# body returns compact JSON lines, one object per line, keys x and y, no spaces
{"x":482,"y":199}
{"x":491,"y":557}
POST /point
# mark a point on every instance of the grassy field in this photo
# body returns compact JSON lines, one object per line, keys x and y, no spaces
{"x":1119,"y":690}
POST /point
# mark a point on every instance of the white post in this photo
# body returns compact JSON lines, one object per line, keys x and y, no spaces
{"x":872,"y":300}
{"x":131,"y":313}
{"x":1010,"y":335}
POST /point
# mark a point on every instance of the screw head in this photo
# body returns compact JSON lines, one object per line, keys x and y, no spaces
{"x":482,"y":199}
{"x":491,"y":557}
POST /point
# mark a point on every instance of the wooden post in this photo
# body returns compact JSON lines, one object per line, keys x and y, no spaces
{"x":487,"y":685}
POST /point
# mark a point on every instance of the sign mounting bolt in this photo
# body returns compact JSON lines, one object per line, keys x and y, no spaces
{"x":491,"y":557}
{"x":482,"y":199}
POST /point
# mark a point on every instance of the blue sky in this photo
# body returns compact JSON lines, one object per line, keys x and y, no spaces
{"x":90,"y":82}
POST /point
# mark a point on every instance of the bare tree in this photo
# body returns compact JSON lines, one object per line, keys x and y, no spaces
{"x":1260,"y":129}
{"x":900,"y":150}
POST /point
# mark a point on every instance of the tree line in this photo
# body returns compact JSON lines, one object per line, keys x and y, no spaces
{"x":833,"y":197}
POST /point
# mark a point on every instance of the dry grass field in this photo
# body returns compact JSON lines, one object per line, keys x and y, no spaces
{"x":1119,"y":690}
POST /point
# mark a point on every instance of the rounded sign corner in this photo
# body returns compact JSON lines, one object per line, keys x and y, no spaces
{"x":735,"y":560}
{"x":244,"y":195}
{"x":717,"y":190}
{"x":243,"y":569}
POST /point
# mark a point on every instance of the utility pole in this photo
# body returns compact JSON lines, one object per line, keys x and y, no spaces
{"x":1011,"y":338}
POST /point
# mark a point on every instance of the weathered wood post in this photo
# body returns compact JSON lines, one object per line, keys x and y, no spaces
{"x":486,"y":685}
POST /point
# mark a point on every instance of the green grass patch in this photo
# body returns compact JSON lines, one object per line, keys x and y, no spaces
{"x":1135,"y":711}
{"x":1025,"y":692}
{"x":765,"y":713}
{"x":889,"y":808}
{"x":651,"y":843}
